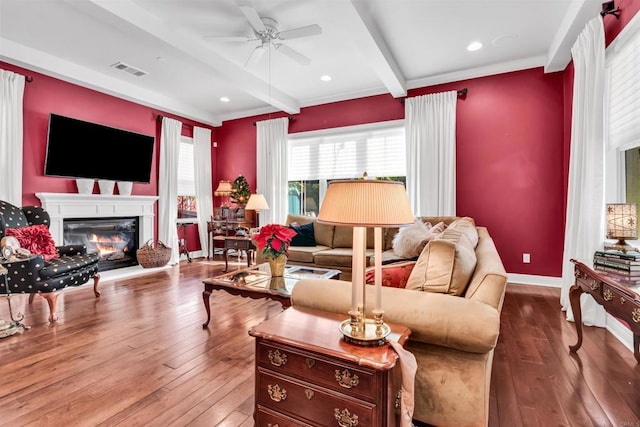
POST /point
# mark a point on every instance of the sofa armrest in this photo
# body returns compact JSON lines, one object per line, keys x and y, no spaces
{"x":438,"y":319}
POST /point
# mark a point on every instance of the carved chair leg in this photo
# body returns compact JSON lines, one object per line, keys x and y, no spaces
{"x":31,"y":297}
{"x":52,"y":298}
{"x":96,"y":278}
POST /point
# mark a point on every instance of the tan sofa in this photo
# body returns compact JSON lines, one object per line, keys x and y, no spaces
{"x":452,"y":337}
{"x":333,"y":247}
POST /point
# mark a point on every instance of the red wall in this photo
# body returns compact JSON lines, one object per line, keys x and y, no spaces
{"x":509,"y":157}
{"x":46,"y":95}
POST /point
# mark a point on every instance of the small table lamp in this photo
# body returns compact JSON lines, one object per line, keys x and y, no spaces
{"x":257,"y":203}
{"x":622,"y":223}
{"x":224,"y":189}
{"x":362,"y":204}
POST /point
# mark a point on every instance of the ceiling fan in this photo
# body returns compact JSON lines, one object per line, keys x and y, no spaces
{"x":265,"y":30}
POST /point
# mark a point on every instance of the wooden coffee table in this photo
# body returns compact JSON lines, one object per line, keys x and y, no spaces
{"x":256,"y":282}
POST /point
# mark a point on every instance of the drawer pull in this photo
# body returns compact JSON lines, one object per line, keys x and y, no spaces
{"x":309,"y":393}
{"x":594,"y":285}
{"x":276,"y":358}
{"x":310,"y":362}
{"x":276,"y":393}
{"x":607,"y":294}
{"x":635,"y":315}
{"x":345,"y":419}
{"x":398,"y":401}
{"x":345,"y":379}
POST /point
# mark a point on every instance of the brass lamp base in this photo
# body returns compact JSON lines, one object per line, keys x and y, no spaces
{"x":372,"y":335}
{"x":621,"y":245}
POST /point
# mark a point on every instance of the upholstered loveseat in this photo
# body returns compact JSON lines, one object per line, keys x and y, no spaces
{"x":451,"y":303}
{"x":46,"y":274}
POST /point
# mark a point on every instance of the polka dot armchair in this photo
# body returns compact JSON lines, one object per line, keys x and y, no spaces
{"x":34,"y":275}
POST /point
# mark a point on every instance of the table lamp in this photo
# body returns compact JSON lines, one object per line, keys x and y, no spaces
{"x":223,"y":190}
{"x":361,"y":204}
{"x":257,"y":203}
{"x":622,"y":223}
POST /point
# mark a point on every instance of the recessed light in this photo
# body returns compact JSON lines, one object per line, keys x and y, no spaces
{"x":224,"y":99}
{"x":473,"y":46}
{"x":325,"y":78}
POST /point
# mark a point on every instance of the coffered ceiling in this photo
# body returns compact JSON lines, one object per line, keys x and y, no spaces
{"x":367,"y":47}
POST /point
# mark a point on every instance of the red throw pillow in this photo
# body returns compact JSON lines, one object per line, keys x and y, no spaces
{"x":393,"y":275}
{"x":37,"y":239}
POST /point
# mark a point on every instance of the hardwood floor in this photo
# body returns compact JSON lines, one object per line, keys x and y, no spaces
{"x":138,"y":356}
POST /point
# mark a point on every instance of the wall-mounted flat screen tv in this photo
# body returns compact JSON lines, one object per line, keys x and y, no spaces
{"x":79,"y":149}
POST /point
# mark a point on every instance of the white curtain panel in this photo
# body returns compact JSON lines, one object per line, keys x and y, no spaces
{"x":430,"y":126}
{"x":584,"y":229}
{"x":168,"y":186}
{"x":11,"y":138}
{"x":271,"y":153}
{"x":202,"y":171}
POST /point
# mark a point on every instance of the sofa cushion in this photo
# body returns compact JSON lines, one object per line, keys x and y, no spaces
{"x":410,"y":240}
{"x":323,"y":233}
{"x":305,"y":235}
{"x":337,"y":257}
{"x":394,"y":275}
{"x":305,"y":253}
{"x":468,"y":226}
{"x":444,"y":266}
{"x":343,"y":237}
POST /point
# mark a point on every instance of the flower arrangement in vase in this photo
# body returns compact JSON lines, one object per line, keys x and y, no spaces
{"x":274,"y":241}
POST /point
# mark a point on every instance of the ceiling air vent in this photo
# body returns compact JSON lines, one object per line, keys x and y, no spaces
{"x":129,"y":69}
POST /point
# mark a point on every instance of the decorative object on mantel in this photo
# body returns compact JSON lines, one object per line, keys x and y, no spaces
{"x":361,"y":204}
{"x":125,"y":187}
{"x":622,"y":223}
{"x":274,"y":241}
{"x":150,"y":256}
{"x":106,"y":186}
{"x":85,"y":185}
{"x":240,"y":191}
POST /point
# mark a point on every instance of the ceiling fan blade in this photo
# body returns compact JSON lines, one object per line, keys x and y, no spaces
{"x":296,"y":56}
{"x":309,"y":30}
{"x":255,"y":56}
{"x":230,"y":38}
{"x":252,"y":16}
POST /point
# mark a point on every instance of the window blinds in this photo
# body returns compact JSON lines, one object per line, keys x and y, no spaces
{"x":623,"y":106}
{"x":379,"y":152}
{"x":186,"y":176}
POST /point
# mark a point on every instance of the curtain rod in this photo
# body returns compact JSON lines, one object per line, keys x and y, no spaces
{"x":462,"y":94}
{"x":289,"y":117}
{"x":159,"y":117}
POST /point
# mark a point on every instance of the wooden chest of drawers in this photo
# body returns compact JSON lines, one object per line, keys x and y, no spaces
{"x":307,"y":375}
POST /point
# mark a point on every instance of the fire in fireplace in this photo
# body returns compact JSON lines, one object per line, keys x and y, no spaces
{"x":115,"y":239}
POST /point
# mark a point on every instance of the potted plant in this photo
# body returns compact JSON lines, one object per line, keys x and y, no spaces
{"x":274,"y":241}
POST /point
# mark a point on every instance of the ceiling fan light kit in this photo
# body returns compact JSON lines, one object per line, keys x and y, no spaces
{"x":265,"y":30}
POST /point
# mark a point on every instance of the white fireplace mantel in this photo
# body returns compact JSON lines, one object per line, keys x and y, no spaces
{"x":72,"y":205}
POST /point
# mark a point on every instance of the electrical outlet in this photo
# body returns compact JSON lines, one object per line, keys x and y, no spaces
{"x":526,"y":258}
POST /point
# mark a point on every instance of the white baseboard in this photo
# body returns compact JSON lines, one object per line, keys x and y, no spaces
{"x":614,"y":326}
{"x":127,"y":272}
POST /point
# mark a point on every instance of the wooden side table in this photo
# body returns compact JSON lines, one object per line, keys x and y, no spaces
{"x":610,"y":291}
{"x":306,"y":374}
{"x":238,"y":244}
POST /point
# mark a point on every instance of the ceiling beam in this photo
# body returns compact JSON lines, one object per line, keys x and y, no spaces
{"x":196,"y":48}
{"x":579,"y":12}
{"x":366,"y":36}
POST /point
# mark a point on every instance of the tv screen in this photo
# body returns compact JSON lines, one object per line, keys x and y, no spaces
{"x":79,"y":149}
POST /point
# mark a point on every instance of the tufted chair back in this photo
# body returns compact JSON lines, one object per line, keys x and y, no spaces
{"x":14,"y":217}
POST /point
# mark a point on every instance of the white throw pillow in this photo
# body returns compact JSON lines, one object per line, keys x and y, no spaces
{"x":410,"y":239}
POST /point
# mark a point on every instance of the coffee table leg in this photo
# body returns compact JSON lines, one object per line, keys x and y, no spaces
{"x":205,"y":297}
{"x":226,"y":261}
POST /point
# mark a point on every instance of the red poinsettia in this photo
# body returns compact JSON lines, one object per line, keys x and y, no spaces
{"x":274,"y":239}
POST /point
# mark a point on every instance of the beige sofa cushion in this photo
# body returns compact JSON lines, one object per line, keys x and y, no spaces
{"x":468,"y":226}
{"x":445,"y":265}
{"x":323,"y":233}
{"x":337,"y":257}
{"x":343,"y":237}
{"x":305,"y":253}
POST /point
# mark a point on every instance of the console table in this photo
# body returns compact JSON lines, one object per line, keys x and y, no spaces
{"x":306,"y":374}
{"x":610,"y":291}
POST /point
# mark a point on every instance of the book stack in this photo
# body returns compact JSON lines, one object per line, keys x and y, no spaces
{"x":625,"y":263}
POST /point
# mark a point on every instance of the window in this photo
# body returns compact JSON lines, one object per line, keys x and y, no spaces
{"x":316,"y":158}
{"x":186,"y":182}
{"x":622,"y":117}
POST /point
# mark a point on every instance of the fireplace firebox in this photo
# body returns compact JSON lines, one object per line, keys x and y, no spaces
{"x":115,"y":239}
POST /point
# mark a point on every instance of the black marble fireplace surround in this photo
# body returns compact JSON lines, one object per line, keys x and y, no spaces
{"x":115,"y":239}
